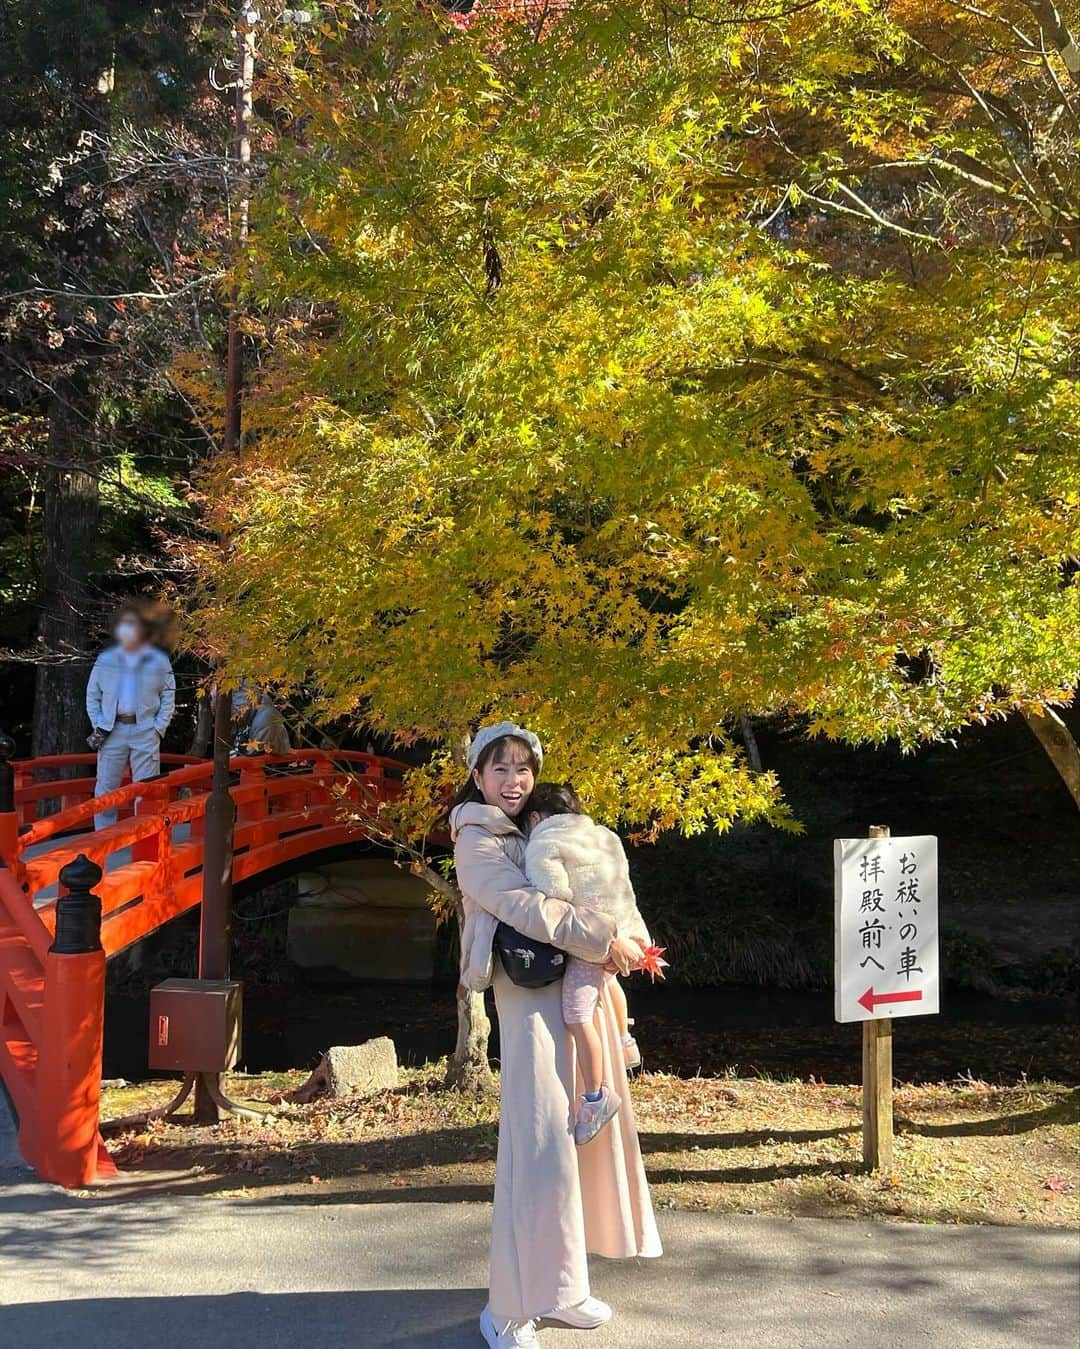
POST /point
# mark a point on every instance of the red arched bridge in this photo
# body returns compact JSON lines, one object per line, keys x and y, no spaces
{"x":287,"y":807}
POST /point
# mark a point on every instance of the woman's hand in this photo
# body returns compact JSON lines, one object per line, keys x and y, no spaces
{"x":625,"y":953}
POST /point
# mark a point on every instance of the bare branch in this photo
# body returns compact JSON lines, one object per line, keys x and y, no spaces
{"x":1053,"y":27}
{"x":867,"y":212}
{"x":43,"y":655}
{"x":1029,"y":44}
{"x":158,"y":295}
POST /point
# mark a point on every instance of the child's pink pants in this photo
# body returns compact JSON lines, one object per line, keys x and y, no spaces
{"x":581,"y":987}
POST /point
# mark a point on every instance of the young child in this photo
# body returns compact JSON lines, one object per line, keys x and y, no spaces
{"x":569,"y":857}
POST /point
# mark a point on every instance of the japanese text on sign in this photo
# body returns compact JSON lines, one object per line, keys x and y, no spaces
{"x":886,"y":927}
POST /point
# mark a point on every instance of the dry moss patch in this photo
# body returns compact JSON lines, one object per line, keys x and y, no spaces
{"x":965,"y":1152}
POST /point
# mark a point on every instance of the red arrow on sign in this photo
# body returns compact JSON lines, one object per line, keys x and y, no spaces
{"x":870,"y":999}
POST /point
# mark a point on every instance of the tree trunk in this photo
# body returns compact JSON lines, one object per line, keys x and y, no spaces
{"x":70,"y":524}
{"x":753,"y":753}
{"x":1056,"y":738}
{"x":70,"y":514}
{"x":468,"y":1069}
{"x":204,"y":722}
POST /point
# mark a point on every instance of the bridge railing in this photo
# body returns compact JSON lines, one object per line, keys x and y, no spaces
{"x":44,"y":779}
{"x":191,"y":774}
{"x":286,"y":805}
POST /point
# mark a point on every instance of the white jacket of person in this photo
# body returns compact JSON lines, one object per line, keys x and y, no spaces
{"x":571,"y":857}
{"x":155,"y":689}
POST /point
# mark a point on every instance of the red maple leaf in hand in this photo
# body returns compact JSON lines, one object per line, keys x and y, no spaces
{"x":653,"y":962}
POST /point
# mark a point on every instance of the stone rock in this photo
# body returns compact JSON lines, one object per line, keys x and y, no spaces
{"x":365,"y":1068}
{"x":353,"y":1070}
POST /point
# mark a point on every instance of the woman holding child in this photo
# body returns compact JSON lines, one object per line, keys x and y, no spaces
{"x":554,"y":1200}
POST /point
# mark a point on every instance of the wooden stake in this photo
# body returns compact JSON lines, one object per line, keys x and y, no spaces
{"x":877,"y":1076}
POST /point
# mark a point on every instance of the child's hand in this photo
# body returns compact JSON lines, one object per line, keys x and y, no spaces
{"x":625,"y":953}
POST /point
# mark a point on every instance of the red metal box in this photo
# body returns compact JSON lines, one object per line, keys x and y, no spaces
{"x":195,"y":1025}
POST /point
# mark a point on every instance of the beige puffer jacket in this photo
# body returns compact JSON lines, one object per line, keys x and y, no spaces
{"x":489,"y":854}
{"x":571,"y":857}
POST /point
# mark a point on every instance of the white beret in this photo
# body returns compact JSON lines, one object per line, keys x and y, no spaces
{"x":487,"y":734}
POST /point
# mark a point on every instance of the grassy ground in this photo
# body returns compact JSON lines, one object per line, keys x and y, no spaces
{"x":965,"y":1152}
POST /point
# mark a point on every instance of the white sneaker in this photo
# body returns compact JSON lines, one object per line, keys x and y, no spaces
{"x":585,"y":1315}
{"x":508,"y":1334}
{"x":631,"y":1053}
{"x":593,"y":1115}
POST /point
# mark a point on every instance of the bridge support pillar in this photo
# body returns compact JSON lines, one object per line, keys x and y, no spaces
{"x":215,"y":918}
{"x":69,"y":1061}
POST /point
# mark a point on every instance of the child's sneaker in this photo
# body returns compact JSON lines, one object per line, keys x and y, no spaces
{"x":631,"y":1053}
{"x":593,"y":1115}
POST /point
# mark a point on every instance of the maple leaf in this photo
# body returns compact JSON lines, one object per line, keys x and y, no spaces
{"x":653,"y":963}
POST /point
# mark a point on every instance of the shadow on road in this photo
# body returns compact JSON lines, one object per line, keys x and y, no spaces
{"x":402,"y":1318}
{"x":33,"y":1215}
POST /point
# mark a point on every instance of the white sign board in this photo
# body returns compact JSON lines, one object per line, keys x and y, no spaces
{"x":886,"y":927}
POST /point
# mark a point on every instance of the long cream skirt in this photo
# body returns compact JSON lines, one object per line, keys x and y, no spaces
{"x":554,"y":1201}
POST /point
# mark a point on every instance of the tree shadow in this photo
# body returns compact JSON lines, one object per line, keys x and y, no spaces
{"x":406,"y":1194}
{"x":751,"y":1175}
{"x":429,"y":1318}
{"x":68,"y":1227}
{"x":1065,"y":1111}
{"x":210,"y":1166}
{"x":371,"y":1171}
{"x":672,"y":1142}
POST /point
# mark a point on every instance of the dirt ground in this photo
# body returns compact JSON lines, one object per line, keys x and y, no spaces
{"x":966,"y":1152}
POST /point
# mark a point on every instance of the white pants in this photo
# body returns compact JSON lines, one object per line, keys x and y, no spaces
{"x":139,"y":746}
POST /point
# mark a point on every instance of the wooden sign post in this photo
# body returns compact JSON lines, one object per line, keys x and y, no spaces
{"x":886,"y":938}
{"x":877,"y":1103}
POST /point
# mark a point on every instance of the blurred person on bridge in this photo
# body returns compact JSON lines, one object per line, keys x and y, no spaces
{"x":129,"y":700}
{"x":260,"y":727}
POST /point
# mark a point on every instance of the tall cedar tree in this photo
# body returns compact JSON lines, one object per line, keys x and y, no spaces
{"x":103,"y":110}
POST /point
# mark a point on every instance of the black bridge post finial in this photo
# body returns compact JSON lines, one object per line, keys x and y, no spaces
{"x":78,"y":913}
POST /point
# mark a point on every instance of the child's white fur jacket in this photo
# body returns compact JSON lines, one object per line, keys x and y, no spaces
{"x":572,"y":858}
{"x":489,"y":856}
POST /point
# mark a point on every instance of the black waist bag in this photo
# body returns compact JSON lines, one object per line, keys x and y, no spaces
{"x":528,"y":963}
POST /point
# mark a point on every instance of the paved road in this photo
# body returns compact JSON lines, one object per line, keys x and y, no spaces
{"x":306,"y":1273}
